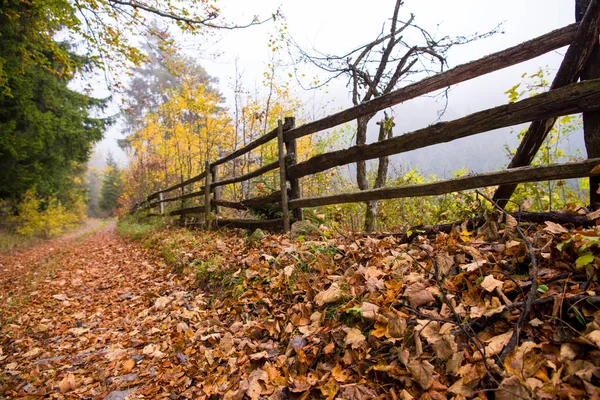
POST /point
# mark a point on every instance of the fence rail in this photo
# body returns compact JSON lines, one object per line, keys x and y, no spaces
{"x":565,"y":97}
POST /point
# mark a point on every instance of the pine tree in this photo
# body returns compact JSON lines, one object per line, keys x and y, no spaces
{"x":112,"y":185}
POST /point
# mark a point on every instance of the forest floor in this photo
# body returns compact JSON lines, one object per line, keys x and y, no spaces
{"x":223,"y":315}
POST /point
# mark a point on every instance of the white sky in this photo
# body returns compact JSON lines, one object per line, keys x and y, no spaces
{"x":336,"y":26}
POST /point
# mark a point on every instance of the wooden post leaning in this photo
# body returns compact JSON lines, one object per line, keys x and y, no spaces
{"x":162,"y":205}
{"x":283,"y":178}
{"x":591,"y":120}
{"x":291,"y":159}
{"x":207,"y":196}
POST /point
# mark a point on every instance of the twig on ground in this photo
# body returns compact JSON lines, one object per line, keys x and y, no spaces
{"x":470,"y":335}
{"x":533,"y":274}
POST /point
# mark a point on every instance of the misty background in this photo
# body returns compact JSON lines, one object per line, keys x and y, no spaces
{"x":336,"y":27}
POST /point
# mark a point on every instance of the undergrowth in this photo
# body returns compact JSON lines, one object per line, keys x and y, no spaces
{"x":11,"y":241}
{"x":139,"y":226}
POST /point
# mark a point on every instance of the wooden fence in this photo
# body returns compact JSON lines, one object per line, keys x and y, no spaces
{"x":567,"y":96}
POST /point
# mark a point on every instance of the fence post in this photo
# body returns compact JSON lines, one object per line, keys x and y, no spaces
{"x":207,"y":207}
{"x":283,"y":178}
{"x":292,"y":158}
{"x":217,"y":190}
{"x":161,"y":204}
{"x":591,"y":120}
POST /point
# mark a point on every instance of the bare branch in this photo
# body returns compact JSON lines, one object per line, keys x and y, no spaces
{"x":190,"y":21}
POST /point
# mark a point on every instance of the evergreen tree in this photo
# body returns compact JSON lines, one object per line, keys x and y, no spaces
{"x":46,"y":129}
{"x":112,"y":185}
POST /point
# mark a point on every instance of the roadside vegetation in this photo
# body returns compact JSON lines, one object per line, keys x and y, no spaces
{"x":329,"y":314}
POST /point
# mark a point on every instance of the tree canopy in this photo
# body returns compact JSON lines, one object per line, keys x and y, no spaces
{"x":46,"y":129}
{"x":103,"y":29}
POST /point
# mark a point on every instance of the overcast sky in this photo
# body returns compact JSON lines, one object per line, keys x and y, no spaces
{"x":336,"y":26}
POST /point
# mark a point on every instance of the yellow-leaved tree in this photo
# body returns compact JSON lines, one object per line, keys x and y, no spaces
{"x":176,"y":123}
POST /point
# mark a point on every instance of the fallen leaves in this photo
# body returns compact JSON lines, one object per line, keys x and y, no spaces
{"x":68,"y":383}
{"x":329,"y":318}
{"x":490,"y":283}
{"x":354,"y":337}
{"x":128,"y":365}
{"x":418,"y":295}
{"x":331,"y":295}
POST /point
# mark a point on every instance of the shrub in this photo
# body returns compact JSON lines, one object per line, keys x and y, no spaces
{"x":46,"y":217}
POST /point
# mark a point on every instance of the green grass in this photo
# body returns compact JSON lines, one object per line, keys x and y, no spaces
{"x":138,"y":227}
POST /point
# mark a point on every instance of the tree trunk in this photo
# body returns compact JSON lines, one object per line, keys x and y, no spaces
{"x":591,"y":120}
{"x":361,"y":166}
{"x":385,"y":131}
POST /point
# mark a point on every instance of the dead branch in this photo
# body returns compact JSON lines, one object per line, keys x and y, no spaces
{"x":533,"y":274}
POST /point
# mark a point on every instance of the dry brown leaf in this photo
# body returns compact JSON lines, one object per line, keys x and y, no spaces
{"x":128,"y":365}
{"x":115,"y":353}
{"x":331,"y":295}
{"x":226,"y":344}
{"x":60,"y":297}
{"x":593,"y":215}
{"x":490,"y":283}
{"x":554,"y":228}
{"x":442,"y":343}
{"x":358,"y":392}
{"x":259,"y":355}
{"x":354,"y":337}
{"x":418,"y":295}
{"x":444,"y":262}
{"x":422,"y":372}
{"x":67,"y":383}
{"x":340,"y":374}
{"x":254,"y":387}
{"x":162,"y":302}
{"x":511,"y":389}
{"x":453,"y":364}
{"x":569,"y":351}
{"x":40,"y":328}
{"x":594,"y":337}
{"x":330,"y":348}
{"x":510,"y":228}
{"x":153,"y":350}
{"x":495,"y":345}
{"x":460,"y":388}
{"x":36,"y":351}
{"x":493,"y":306}
{"x":489,"y":230}
{"x":475,"y":265}
{"x":329,"y":389}
{"x":396,"y":327}
{"x":517,"y":359}
{"x":79,"y":331}
{"x":369,"y":311}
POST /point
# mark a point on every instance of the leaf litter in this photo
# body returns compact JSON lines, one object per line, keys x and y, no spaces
{"x":329,"y":317}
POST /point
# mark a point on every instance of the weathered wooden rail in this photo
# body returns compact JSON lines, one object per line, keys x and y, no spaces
{"x":565,"y":97}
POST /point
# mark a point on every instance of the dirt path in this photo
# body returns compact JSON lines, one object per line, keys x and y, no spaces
{"x":19,"y":262}
{"x":91,"y":319}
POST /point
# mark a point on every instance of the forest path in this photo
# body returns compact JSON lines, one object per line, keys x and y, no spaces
{"x":88,"y":319}
{"x":21,"y":261}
